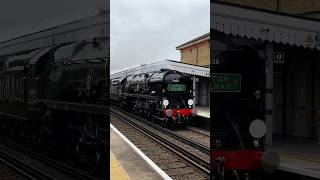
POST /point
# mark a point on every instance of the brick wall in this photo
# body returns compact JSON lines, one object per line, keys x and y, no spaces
{"x":198,"y":54}
{"x":264,"y":4}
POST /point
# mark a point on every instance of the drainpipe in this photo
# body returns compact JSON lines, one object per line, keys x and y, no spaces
{"x":277,"y":5}
{"x":197,"y":60}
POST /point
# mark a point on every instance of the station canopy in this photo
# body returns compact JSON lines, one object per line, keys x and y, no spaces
{"x":164,"y":65}
{"x":265,"y":25}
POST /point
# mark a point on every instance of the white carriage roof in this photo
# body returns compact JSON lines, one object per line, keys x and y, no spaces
{"x":165,"y":64}
{"x":264,"y":25}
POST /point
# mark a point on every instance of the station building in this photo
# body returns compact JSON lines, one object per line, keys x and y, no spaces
{"x":289,"y":46}
{"x":197,"y":52}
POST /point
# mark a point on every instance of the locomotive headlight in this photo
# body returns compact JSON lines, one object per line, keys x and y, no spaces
{"x":190,"y":102}
{"x":257,"y":128}
{"x":169,"y":113}
{"x":165,"y":102}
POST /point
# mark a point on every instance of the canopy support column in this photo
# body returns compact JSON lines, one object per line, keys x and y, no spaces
{"x":269,"y":94}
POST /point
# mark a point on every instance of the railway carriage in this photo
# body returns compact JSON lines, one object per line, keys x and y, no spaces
{"x":165,"y":96}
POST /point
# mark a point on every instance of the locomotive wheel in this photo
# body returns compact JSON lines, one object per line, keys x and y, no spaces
{"x":44,"y":134}
{"x":74,"y":149}
{"x":185,"y":122}
{"x":170,"y":123}
{"x":164,"y":122}
{"x":86,"y":143}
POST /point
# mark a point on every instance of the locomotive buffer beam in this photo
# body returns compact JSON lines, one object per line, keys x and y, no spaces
{"x":76,"y":107}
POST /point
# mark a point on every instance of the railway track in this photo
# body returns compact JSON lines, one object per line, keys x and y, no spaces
{"x":193,"y":158}
{"x":27,"y":171}
{"x":37,"y":166}
{"x":34,"y":165}
{"x":200,"y":131}
{"x":10,"y":172}
{"x":191,"y":136}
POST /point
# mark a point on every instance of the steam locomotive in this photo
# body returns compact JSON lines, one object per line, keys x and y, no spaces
{"x":55,"y":99}
{"x":164,"y":96}
{"x":237,"y":104}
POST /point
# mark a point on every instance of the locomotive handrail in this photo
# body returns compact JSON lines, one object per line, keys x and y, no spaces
{"x":236,"y":130}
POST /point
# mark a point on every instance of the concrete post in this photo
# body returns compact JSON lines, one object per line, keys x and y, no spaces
{"x":269,"y":94}
{"x":194,"y":91}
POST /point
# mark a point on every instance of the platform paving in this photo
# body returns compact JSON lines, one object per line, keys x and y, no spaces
{"x":203,"y":111}
{"x":300,"y":157}
{"x":134,"y":166}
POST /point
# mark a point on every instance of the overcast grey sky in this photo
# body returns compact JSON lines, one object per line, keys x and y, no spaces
{"x":144,"y":31}
{"x":19,"y":17}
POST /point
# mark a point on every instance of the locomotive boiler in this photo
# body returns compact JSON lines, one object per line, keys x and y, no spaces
{"x":164,"y":96}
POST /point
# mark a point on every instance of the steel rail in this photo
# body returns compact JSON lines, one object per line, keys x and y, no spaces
{"x":76,"y":173}
{"x":22,"y":168}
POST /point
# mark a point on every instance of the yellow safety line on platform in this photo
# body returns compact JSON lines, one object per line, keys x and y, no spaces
{"x":116,"y":170}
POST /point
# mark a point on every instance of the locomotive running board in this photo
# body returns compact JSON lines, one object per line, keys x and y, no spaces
{"x":76,"y":107}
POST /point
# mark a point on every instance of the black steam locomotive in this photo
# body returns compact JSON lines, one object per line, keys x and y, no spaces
{"x":55,"y":99}
{"x":164,"y":96}
{"x":237,"y":104}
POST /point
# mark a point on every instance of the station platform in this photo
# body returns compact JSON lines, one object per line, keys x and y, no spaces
{"x":128,"y":163}
{"x":203,"y":111}
{"x":299,"y":157}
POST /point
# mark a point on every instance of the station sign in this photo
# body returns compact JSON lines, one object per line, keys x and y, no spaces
{"x":224,"y":82}
{"x":278,"y":57}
